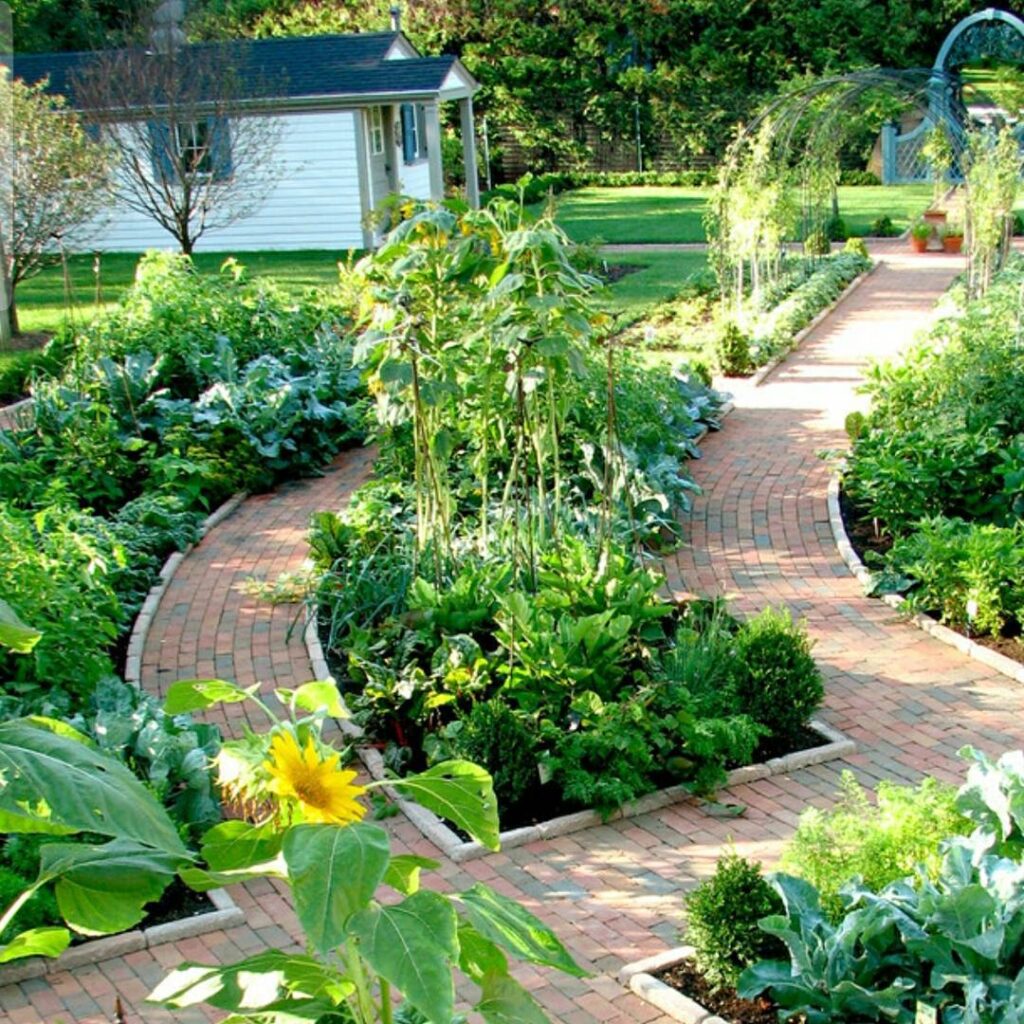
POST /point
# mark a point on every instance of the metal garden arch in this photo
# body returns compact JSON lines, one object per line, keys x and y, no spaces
{"x":989,"y":33}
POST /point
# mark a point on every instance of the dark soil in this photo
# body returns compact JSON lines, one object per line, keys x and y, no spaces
{"x":864,"y":539}
{"x":612,"y":272}
{"x":861,"y":530}
{"x":684,"y":977}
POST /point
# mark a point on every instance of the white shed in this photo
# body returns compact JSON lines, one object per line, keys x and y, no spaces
{"x":358,"y":119}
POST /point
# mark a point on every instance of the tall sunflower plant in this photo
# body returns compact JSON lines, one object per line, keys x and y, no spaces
{"x":380,"y":946}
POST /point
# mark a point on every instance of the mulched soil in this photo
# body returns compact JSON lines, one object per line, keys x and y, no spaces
{"x":684,"y":977}
{"x":861,"y":531}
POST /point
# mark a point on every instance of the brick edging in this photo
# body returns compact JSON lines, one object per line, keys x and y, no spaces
{"x":639,"y":978}
{"x":143,"y":621}
{"x":992,"y":659}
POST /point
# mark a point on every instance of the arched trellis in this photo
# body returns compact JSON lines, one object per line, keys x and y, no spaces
{"x":988,"y":33}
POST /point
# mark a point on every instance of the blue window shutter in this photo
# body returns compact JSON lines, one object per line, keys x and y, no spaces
{"x":421,"y":130}
{"x":160,"y":150}
{"x":220,"y":148}
{"x":408,"y":133}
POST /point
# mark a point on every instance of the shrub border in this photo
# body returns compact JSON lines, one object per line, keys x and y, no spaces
{"x":225,"y":914}
{"x":638,"y":977}
{"x":992,"y":659}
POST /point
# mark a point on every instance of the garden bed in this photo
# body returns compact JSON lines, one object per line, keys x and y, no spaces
{"x":1004,"y":654}
{"x":670,"y":982}
{"x":221,"y":912}
{"x":835,"y":745}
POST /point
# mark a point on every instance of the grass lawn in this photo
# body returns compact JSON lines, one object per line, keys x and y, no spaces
{"x":662,"y":214}
{"x":662,"y":275}
{"x":41,"y":300}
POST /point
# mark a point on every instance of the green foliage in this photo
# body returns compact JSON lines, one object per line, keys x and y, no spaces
{"x":171,"y":754}
{"x":38,"y":911}
{"x":732,"y":350}
{"x":722,"y":916}
{"x":818,"y":243}
{"x":879,"y":842}
{"x":970,"y":575}
{"x":938,"y":464}
{"x":947,"y":938}
{"x":857,"y":247}
{"x":777,"y":682}
{"x":495,"y":737}
{"x":883,"y":227}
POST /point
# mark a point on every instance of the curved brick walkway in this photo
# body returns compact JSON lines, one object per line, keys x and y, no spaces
{"x":760,"y":533}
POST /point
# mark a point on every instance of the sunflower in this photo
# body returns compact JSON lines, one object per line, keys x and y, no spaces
{"x":324,"y":792}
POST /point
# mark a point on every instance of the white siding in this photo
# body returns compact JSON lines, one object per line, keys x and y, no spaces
{"x":414,"y":179}
{"x":314,"y":205}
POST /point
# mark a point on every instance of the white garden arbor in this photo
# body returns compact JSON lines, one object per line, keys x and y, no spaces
{"x":990,"y":34}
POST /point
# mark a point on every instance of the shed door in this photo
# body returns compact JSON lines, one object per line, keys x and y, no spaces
{"x":383,"y":173}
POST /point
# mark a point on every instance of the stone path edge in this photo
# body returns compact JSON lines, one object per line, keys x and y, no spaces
{"x":991,"y":659}
{"x":225,"y":914}
{"x":639,"y":978}
{"x":140,"y":631}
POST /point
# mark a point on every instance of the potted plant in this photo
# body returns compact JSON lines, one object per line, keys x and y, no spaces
{"x":920,"y":233}
{"x":952,"y":236}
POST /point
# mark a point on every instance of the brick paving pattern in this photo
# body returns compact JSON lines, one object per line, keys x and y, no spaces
{"x":759,"y":534}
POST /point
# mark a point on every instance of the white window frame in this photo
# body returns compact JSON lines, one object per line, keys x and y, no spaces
{"x":191,"y":144}
{"x":376,"y":130}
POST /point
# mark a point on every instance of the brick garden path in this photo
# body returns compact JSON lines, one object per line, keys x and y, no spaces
{"x":761,"y":533}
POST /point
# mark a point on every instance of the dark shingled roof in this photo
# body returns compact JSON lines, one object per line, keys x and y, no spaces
{"x":293,"y":68}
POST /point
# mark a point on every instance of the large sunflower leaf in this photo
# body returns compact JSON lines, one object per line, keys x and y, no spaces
{"x":14,"y":634}
{"x":104,"y":889}
{"x":36,"y":942}
{"x":504,"y":1001}
{"x":267,"y":983}
{"x":460,"y":791}
{"x":413,"y":945}
{"x":54,"y":781}
{"x":515,"y":929}
{"x":334,"y":872}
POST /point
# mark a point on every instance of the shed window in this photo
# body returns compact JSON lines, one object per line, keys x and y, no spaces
{"x":414,"y":134}
{"x":194,"y":148}
{"x":193,"y":142}
{"x":377,"y":130}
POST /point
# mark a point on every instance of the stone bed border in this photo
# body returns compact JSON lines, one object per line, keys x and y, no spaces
{"x":639,"y":978}
{"x":762,"y":374}
{"x":992,"y":659}
{"x":226,"y":914}
{"x":459,"y":851}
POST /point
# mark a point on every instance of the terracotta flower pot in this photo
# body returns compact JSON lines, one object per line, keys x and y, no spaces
{"x":953,"y":243}
{"x":918,"y":244}
{"x":934,"y":216}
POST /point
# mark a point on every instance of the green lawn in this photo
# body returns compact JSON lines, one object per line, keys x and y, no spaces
{"x":662,"y":275}
{"x":649,"y":214}
{"x":41,"y":300}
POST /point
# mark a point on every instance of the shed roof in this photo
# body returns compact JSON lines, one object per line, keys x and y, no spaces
{"x":347,"y":67}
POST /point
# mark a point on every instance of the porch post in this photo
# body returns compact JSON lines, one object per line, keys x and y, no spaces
{"x":469,"y":151}
{"x":432,"y":121}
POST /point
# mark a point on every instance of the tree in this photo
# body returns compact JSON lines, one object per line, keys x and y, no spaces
{"x":57,"y":176}
{"x":190,"y":130}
